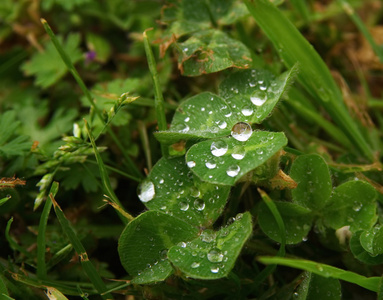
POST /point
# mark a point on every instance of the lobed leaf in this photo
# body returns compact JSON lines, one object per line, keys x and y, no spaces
{"x":212,"y":255}
{"x":315,"y":287}
{"x":144,"y":243}
{"x":210,"y":51}
{"x":372,"y":240}
{"x":181,"y":194}
{"x":253,"y":94}
{"x":361,"y":253}
{"x":314,"y":182}
{"x":226,"y":160}
{"x":297,"y":221}
{"x":352,"y":204}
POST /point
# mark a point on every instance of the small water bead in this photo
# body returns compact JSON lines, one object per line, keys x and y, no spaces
{"x":183,"y":128}
{"x":146,"y":191}
{"x":195,"y":265}
{"x":195,"y":192}
{"x":233,"y":170}
{"x":218,"y":148}
{"x":203,"y":109}
{"x":187,"y":119}
{"x":247,"y":111}
{"x":252,"y":84}
{"x":263,"y":87}
{"x":238,"y":153}
{"x":161,"y":181}
{"x":241,"y":131}
{"x":259,"y":151}
{"x":258,"y":98}
{"x":222,"y":124}
{"x":210,"y":164}
{"x":184,"y":206}
{"x":214,"y":269}
{"x":199,"y":204}
{"x":164,"y":254}
{"x":215,"y":256}
{"x":191,"y":164}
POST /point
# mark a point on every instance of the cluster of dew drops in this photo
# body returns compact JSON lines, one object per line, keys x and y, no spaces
{"x":241,"y":131}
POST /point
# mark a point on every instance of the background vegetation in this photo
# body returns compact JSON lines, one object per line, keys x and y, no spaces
{"x":54,"y":109}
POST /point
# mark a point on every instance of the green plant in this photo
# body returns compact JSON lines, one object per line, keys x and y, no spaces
{"x":262,"y":163}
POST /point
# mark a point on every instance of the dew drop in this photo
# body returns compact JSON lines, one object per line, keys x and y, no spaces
{"x":191,"y":164}
{"x":183,"y":128}
{"x":238,"y":153}
{"x":184,"y":206}
{"x":161,"y":181}
{"x":222,"y":124}
{"x":233,"y":170}
{"x":214,"y":269}
{"x":247,"y":111}
{"x":241,"y":131}
{"x":252,"y":84}
{"x":199,"y":204}
{"x":203,"y":109}
{"x":187,"y":119}
{"x":210,"y":164}
{"x":195,"y":265}
{"x":218,"y":148}
{"x":164,"y":254}
{"x":258,"y":98}
{"x":215,"y":256}
{"x":146,"y":191}
{"x":195,"y":192}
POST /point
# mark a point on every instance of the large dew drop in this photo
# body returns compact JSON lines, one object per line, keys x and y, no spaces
{"x":146,"y":191}
{"x":199,"y":204}
{"x":247,"y":111}
{"x":218,"y":148}
{"x":233,"y":170}
{"x":258,"y":98}
{"x":238,"y":153}
{"x":215,"y":256}
{"x":241,"y":131}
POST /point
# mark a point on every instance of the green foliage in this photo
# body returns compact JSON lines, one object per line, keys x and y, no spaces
{"x":219,"y":137}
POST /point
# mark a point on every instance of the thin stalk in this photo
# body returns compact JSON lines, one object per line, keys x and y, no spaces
{"x":362,"y":28}
{"x":41,"y":245}
{"x":87,"y":265}
{"x":301,"y":7}
{"x":159,"y":99}
{"x":105,"y":178}
{"x":66,"y":59}
{"x":145,"y":143}
{"x":12,"y":243}
{"x":116,"y":171}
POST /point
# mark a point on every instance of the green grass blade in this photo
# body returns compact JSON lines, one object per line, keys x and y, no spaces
{"x":87,"y":265}
{"x":281,"y":226}
{"x":314,"y":74}
{"x":362,"y":28}
{"x":370,"y":283}
{"x":301,"y":7}
{"x":159,"y":99}
{"x":12,"y":242}
{"x":66,"y":59}
{"x":41,"y":245}
{"x":126,"y":218}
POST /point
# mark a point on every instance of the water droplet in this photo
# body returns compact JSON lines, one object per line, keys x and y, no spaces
{"x":146,"y":191}
{"x":208,"y":236}
{"x":187,"y":119}
{"x":164,"y":254}
{"x":233,"y":170}
{"x":241,"y":131}
{"x":199,"y":204}
{"x":182,"y":128}
{"x":191,"y":164}
{"x":161,"y":181}
{"x":214,"y":269}
{"x":184,"y":206}
{"x":259,"y":151}
{"x":252,"y":84}
{"x":218,"y":148}
{"x":202,"y":108}
{"x":182,"y":244}
{"x":357,"y":206}
{"x":222,"y":124}
{"x":215,"y":256}
{"x":263,"y":87}
{"x":210,"y":164}
{"x":258,"y":98}
{"x":195,"y":192}
{"x":247,"y":111}
{"x":195,"y":265}
{"x":238,"y":153}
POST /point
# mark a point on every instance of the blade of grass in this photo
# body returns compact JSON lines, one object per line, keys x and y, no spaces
{"x":159,"y":99}
{"x":12,"y":242}
{"x":301,"y":7}
{"x":66,"y":59}
{"x":282,"y":230}
{"x":362,"y":28}
{"x":145,"y":143}
{"x":41,"y":245}
{"x":105,"y":178}
{"x":87,"y":265}
{"x":314,"y":74}
{"x":3,"y":287}
{"x":370,"y":283}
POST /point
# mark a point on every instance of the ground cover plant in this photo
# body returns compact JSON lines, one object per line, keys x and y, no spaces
{"x":183,"y":149}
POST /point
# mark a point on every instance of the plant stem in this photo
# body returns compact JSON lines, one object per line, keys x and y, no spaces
{"x":159,"y":99}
